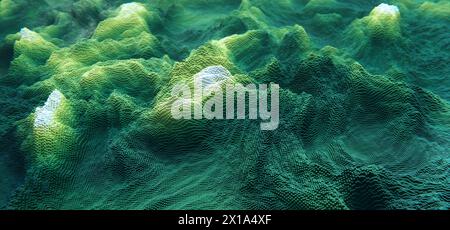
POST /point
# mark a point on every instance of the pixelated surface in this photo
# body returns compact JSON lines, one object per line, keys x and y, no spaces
{"x":85,"y":109}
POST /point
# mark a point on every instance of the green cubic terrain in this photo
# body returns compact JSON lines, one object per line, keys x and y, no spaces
{"x":85,"y":104}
